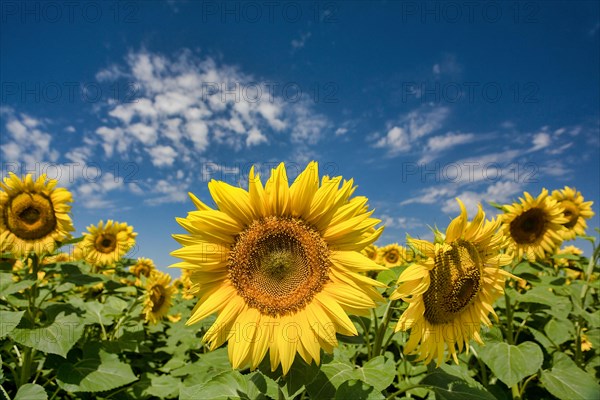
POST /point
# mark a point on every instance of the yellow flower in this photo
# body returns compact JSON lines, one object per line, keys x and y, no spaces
{"x":106,"y":244}
{"x":568,"y":250}
{"x":60,"y":257}
{"x":586,"y":344}
{"x":533,"y":226}
{"x":280,"y":265}
{"x":143,"y":267}
{"x":34,"y":215}
{"x":371,"y":252}
{"x":391,"y":255}
{"x":451,"y":292}
{"x":576,"y":211}
{"x":158,"y":296}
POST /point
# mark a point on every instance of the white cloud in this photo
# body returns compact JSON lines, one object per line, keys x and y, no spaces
{"x":163,"y":156}
{"x":499,"y":192}
{"x":449,"y":140}
{"x":70,"y":129}
{"x":396,"y":140}
{"x":26,"y":140}
{"x":341,"y":131}
{"x":300,"y":42}
{"x":413,"y":126}
{"x":188,"y":104}
{"x":255,"y":137}
{"x":541,"y":140}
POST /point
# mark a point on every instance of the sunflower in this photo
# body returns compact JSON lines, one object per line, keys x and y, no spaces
{"x":566,"y":262}
{"x":158,"y":296}
{"x":533,"y":226}
{"x":106,"y":244}
{"x":280,"y":265}
{"x":451,"y":292}
{"x":143,"y":267}
{"x":34,"y":215}
{"x":576,"y":211}
{"x":391,"y":255}
{"x":371,"y":252}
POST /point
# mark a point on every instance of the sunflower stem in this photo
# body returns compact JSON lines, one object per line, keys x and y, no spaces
{"x":26,"y":366}
{"x":387,"y":315}
{"x":509,"y":319}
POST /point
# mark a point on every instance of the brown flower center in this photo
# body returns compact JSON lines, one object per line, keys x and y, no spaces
{"x":571,"y":213}
{"x":455,"y":281}
{"x":528,"y":227}
{"x":158,"y":297}
{"x":392,"y":256}
{"x":30,"y":216}
{"x":105,"y":243}
{"x":278,"y":264}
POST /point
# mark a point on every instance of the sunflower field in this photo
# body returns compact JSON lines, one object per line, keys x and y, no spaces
{"x":284,"y":292}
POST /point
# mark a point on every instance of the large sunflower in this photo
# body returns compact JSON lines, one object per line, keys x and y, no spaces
{"x":576,"y":211}
{"x":34,"y":215}
{"x":106,"y":244}
{"x":451,"y":292}
{"x":533,"y":226}
{"x":280,"y":265}
{"x":158,"y":296}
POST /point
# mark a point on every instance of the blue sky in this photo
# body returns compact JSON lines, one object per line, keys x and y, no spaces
{"x":132,"y":104}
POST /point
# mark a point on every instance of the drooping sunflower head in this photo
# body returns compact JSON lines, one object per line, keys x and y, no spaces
{"x":34,"y":215}
{"x":450,"y":292}
{"x":158,"y":297}
{"x":283,"y":261}
{"x":391,"y":255}
{"x":576,"y":211}
{"x":105,"y":244}
{"x":143,"y":267}
{"x":533,"y":226}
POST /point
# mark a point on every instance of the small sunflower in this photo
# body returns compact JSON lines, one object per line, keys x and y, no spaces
{"x":576,"y":211}
{"x":106,"y":244}
{"x":158,"y":297}
{"x":391,"y":255}
{"x":60,"y":257}
{"x":567,"y":250}
{"x":143,"y":267}
{"x":34,"y":215}
{"x":533,"y":226}
{"x":451,"y":292}
{"x":371,"y":252}
{"x":280,"y":265}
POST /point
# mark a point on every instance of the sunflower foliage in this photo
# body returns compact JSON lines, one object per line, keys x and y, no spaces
{"x":491,"y":308}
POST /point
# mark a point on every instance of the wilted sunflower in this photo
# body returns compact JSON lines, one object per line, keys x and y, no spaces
{"x":34,"y":215}
{"x":158,"y":296}
{"x":451,"y":292}
{"x":391,"y":255}
{"x":106,"y":244}
{"x":576,"y":211}
{"x":533,"y":226}
{"x":280,"y":265}
{"x":143,"y":267}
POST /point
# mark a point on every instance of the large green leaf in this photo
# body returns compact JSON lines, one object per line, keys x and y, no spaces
{"x":8,"y":286}
{"x":377,"y":372}
{"x":56,"y":338}
{"x":97,"y":371}
{"x":9,"y":320}
{"x":559,"y":306}
{"x":357,"y":390}
{"x":559,"y":330}
{"x":163,"y":387}
{"x":232,"y":385}
{"x":31,"y":391}
{"x":330,"y":377}
{"x":566,"y":381}
{"x":512,"y":363}
{"x":448,"y":386}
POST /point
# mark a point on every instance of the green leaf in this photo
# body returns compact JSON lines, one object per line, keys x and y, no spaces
{"x":377,"y":372}
{"x":357,"y":390}
{"x":231,"y":385}
{"x":31,"y":391}
{"x":163,"y":387}
{"x":72,"y":273}
{"x":98,"y":371}
{"x":448,"y":386}
{"x":8,"y":286}
{"x":558,"y":306}
{"x":330,"y":377}
{"x":95,"y":313}
{"x":559,"y":331}
{"x":512,"y":363}
{"x":566,"y":381}
{"x":208,"y":366}
{"x":9,"y":320}
{"x":56,"y":338}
